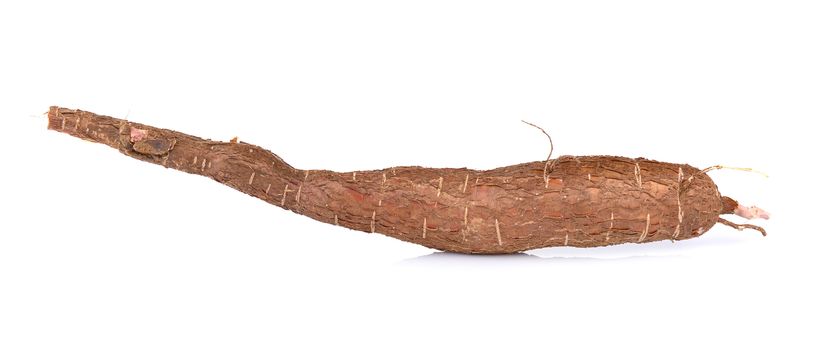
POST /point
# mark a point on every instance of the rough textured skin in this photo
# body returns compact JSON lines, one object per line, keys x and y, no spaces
{"x":581,"y":201}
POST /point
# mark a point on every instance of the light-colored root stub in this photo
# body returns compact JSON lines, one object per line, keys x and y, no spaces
{"x":751,"y":212}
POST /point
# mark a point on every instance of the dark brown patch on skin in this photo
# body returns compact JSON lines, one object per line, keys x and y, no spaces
{"x":153,"y":147}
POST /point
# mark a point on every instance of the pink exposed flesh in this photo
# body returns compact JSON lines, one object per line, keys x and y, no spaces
{"x":751,"y":212}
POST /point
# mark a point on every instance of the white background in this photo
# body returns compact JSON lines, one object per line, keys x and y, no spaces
{"x":348,"y":85}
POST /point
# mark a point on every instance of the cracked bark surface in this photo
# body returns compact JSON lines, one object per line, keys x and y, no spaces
{"x":584,"y":201}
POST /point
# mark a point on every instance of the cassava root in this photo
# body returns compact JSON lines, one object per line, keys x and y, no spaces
{"x":582,"y":201}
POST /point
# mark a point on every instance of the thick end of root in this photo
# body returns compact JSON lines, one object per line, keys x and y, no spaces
{"x":742,"y":226}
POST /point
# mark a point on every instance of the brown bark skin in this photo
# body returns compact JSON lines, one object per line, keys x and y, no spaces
{"x":586,"y":201}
